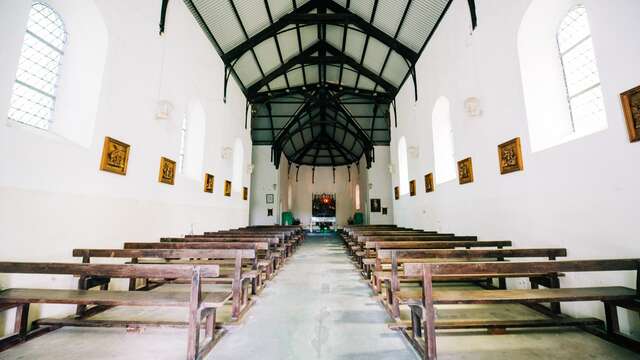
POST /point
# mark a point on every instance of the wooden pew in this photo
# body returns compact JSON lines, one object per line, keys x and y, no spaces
{"x":399,"y":257}
{"x":237,"y":278}
{"x":198,"y":304}
{"x":266,"y":260}
{"x":357,"y":240}
{"x":611,"y":296}
{"x":372,"y":264}
{"x":359,"y":249}
{"x":282,"y":244}
{"x":275,"y":252}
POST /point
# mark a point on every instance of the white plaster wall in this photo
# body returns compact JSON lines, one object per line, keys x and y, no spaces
{"x":379,"y":186}
{"x":264,"y":180}
{"x":581,"y":195}
{"x":53,"y":198}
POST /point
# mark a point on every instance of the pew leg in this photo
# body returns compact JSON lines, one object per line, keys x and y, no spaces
{"x":82,"y":285}
{"x":22,"y":319}
{"x":554,"y":283}
{"x":502,"y":283}
{"x":416,"y":322}
{"x":254,"y":284}
{"x":210,"y":324}
{"x":132,"y":284}
{"x":611,"y":318}
{"x":193,"y":340}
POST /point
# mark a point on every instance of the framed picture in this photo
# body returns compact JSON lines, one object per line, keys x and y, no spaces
{"x":115,"y":156}
{"x":208,"y":183}
{"x":465,"y":171}
{"x":375,"y":205}
{"x":245,"y":193}
{"x":227,"y":188}
{"x":269,"y":198}
{"x":412,"y":188}
{"x":631,"y":106}
{"x":428,"y":183}
{"x":384,"y":211}
{"x":396,"y":192}
{"x":167,"y":173}
{"x":510,"y":156}
{"x":269,"y":212}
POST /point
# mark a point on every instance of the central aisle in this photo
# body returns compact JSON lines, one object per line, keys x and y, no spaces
{"x":318,"y":307}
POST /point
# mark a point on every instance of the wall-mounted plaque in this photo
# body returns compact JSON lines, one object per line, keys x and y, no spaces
{"x":375,"y":205}
{"x":510,"y":156}
{"x":227,"y":188}
{"x":631,"y":106}
{"x":167,"y":174}
{"x":115,"y":156}
{"x":465,"y":171}
{"x":428,"y":183}
{"x":208,"y":183}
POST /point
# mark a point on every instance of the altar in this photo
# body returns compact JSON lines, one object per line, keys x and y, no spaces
{"x":323,"y":214}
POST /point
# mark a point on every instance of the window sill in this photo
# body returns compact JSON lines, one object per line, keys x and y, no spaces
{"x":568,"y":139}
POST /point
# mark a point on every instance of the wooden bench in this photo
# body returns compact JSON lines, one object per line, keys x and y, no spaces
{"x":359,"y":249}
{"x":369,"y":261}
{"x":396,"y":258}
{"x":276,"y":252}
{"x":267,"y":263}
{"x":198,"y":304}
{"x":237,"y":277}
{"x":278,"y":241}
{"x":424,"y":314}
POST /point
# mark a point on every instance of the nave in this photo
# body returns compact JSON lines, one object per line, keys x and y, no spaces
{"x":320,"y":306}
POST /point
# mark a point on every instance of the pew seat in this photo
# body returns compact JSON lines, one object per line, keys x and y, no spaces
{"x":445,"y":296}
{"x":109,"y":298}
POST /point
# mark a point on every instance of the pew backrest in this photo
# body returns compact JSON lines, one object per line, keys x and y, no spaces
{"x":177,"y":271}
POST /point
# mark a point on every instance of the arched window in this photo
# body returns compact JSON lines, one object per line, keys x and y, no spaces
{"x":560,"y":80}
{"x":581,"y":77}
{"x":34,"y":91}
{"x":403,"y":166}
{"x":443,"y":146}
{"x":183,"y":143}
{"x":238,"y":164}
{"x":192,"y":132}
{"x":357,"y":196}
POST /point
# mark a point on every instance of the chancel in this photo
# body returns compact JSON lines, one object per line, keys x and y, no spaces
{"x":319,"y":179}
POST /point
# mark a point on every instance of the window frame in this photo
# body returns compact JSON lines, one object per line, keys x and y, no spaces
{"x":564,"y":66}
{"x":183,"y":144}
{"x":43,"y":123}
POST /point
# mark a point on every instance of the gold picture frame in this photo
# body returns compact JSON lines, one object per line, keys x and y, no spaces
{"x":428,"y":183}
{"x":115,"y":156}
{"x":465,"y":171}
{"x":167,"y":173}
{"x":631,"y":107}
{"x":245,"y":193}
{"x":209,"y":182}
{"x":412,"y":188}
{"x":227,"y":188}
{"x":510,"y":156}
{"x":396,"y":192}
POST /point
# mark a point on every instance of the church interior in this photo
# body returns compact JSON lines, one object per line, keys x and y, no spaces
{"x":319,"y":179}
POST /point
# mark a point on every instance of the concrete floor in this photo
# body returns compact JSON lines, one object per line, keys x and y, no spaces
{"x":317,"y":307}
